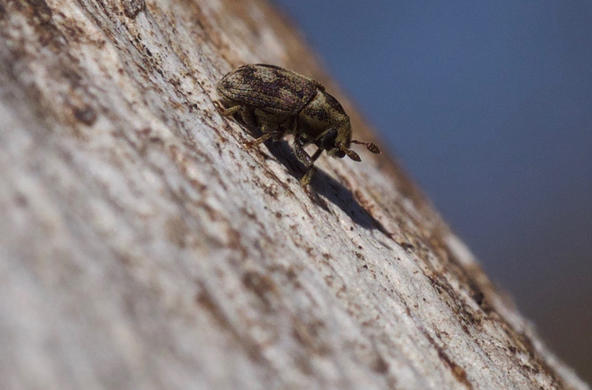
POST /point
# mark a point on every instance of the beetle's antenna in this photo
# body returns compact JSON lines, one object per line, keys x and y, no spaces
{"x":350,"y":153}
{"x":371,"y":146}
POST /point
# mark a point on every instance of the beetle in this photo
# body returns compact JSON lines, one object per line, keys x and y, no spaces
{"x":278,"y":101}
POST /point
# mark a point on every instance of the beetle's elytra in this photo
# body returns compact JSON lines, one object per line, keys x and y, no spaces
{"x":278,"y":102}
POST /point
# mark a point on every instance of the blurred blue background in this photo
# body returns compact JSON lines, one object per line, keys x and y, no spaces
{"x":488,"y":105}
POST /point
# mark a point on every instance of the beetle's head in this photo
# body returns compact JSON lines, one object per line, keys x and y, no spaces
{"x":337,"y":142}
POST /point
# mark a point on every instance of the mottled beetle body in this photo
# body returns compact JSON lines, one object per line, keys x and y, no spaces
{"x":279,"y":102}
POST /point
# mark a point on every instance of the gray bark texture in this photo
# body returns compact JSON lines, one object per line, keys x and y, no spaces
{"x":143,"y":246}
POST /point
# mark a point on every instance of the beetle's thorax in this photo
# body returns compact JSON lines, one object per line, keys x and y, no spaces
{"x":323,"y":112}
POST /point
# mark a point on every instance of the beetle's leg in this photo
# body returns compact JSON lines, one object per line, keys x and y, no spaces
{"x":316,"y":155}
{"x":301,"y":154}
{"x":307,"y":161}
{"x":231,"y":110}
{"x":265,"y":135}
{"x":305,"y":180}
{"x":327,"y":139}
{"x":246,"y":115}
{"x":248,"y":118}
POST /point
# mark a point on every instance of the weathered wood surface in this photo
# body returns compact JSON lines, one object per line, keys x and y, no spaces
{"x":144,"y":247}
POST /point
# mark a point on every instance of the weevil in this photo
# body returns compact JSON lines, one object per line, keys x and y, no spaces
{"x":278,"y":101}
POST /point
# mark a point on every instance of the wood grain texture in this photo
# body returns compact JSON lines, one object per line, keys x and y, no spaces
{"x":144,"y":247}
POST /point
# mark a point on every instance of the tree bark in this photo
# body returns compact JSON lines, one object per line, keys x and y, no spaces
{"x":143,"y":246}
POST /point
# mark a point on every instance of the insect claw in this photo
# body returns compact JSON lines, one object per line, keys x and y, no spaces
{"x":305,"y":179}
{"x":258,"y":141}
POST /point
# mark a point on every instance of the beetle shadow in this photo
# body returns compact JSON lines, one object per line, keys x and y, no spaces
{"x":326,"y":186}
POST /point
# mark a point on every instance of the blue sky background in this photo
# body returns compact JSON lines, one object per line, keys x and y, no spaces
{"x":488,"y":105}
